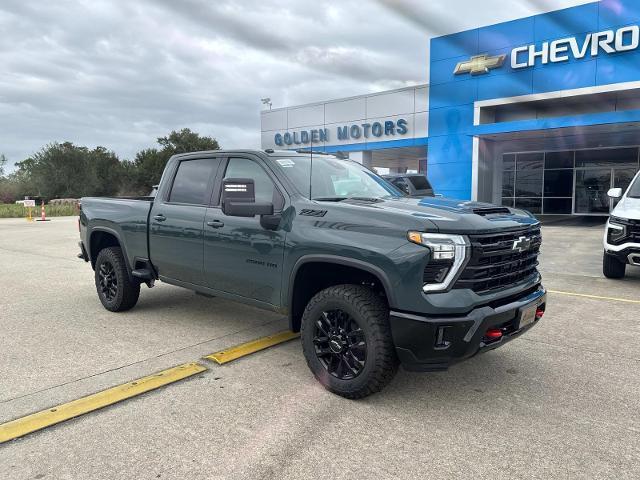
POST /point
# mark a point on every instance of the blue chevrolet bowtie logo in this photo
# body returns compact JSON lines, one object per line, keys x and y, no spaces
{"x":479,"y":64}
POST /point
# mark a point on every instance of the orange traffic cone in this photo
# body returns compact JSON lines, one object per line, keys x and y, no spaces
{"x":43,"y":215}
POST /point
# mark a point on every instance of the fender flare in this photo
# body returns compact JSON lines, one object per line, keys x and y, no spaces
{"x":116,"y":234}
{"x":346,"y":261}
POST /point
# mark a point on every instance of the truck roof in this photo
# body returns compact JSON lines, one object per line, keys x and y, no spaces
{"x":268,"y":151}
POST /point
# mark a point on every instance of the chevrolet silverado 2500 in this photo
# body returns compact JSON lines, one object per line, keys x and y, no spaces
{"x":371,"y":277}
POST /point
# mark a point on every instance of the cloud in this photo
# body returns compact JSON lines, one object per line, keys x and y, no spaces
{"x":120,"y":74}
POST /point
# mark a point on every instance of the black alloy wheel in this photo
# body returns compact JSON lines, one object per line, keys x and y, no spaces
{"x":340,"y":344}
{"x":117,"y":290}
{"x":347,"y":341}
{"x":108,"y":280}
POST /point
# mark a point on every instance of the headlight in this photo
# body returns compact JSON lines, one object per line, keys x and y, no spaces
{"x":616,"y":230}
{"x":448,"y":254}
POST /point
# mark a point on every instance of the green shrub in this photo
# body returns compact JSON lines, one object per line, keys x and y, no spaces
{"x":8,"y":210}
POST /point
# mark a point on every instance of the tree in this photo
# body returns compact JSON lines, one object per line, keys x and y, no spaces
{"x":62,"y":170}
{"x":150,"y":163}
{"x":3,"y":163}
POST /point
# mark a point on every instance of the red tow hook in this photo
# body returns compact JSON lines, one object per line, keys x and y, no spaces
{"x":493,"y":334}
{"x":539,"y":313}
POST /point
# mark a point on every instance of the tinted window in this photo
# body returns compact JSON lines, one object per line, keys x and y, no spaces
{"x":420,"y":182}
{"x":245,"y":168}
{"x":557,"y":206}
{"x":558,"y":160}
{"x":400,"y":183}
{"x":534,"y":205}
{"x":610,"y":157}
{"x":508,"y":181}
{"x":558,"y":183}
{"x":508,"y":162}
{"x":192,"y":180}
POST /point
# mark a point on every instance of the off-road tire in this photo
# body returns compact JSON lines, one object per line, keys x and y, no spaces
{"x":371,"y":314}
{"x":127,"y":290}
{"x":612,"y":267}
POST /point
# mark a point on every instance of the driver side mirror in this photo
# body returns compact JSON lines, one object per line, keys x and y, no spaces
{"x":615,"y":193}
{"x":239,"y":199}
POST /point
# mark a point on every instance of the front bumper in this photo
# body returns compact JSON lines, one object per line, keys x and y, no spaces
{"x":626,"y":253}
{"x":434,"y":343}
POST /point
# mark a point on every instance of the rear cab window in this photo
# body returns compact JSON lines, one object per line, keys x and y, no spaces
{"x":420,"y":183}
{"x":192,"y":180}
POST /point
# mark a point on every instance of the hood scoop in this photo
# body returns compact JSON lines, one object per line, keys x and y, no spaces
{"x":483,"y":212}
{"x":308,"y":212}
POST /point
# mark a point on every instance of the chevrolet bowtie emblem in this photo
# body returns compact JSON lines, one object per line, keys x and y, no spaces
{"x":479,"y":64}
{"x":522,"y":244}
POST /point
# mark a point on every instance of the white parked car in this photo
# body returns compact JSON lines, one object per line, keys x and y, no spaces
{"x":622,"y":236}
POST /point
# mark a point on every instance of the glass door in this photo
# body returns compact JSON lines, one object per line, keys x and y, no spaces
{"x":591,"y":187}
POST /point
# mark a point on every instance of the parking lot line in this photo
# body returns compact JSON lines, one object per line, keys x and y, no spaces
{"x":244,"y":349}
{"x":51,"y":416}
{"x":595,"y":297}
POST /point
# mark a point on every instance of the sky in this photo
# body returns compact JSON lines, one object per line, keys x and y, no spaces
{"x":120,"y":74}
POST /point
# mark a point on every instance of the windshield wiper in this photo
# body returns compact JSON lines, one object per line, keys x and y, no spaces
{"x":341,"y":199}
{"x":330,"y":199}
{"x":364,"y":199}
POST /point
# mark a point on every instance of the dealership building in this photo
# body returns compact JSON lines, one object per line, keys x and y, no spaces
{"x":541,"y":113}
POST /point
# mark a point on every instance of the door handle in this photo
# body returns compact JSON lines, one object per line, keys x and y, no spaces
{"x":216,"y":223}
{"x":159,"y":218}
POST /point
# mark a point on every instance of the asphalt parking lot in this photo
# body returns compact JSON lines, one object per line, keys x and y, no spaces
{"x":563,"y":401}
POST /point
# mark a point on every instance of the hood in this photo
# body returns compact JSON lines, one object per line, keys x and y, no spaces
{"x":628,"y":208}
{"x":451,"y":215}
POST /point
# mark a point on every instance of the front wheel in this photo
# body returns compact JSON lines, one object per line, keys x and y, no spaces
{"x":116,"y":290}
{"x":612,"y":267}
{"x":347,"y":341}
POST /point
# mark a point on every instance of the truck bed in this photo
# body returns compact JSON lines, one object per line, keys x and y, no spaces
{"x":126,"y":217}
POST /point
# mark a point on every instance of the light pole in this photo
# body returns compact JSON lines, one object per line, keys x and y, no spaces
{"x":266,"y":101}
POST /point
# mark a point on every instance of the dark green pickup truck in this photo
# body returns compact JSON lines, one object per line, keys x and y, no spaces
{"x":371,"y":277}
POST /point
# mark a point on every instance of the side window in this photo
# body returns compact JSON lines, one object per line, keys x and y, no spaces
{"x":401,"y":184}
{"x":192,"y":179}
{"x":265,"y":189}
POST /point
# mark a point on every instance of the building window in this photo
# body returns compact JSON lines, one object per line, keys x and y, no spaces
{"x":566,"y":182}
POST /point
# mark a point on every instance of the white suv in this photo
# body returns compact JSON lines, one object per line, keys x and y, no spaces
{"x":622,"y":236}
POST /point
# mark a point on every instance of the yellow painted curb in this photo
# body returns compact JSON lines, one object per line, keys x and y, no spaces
{"x":233,"y":353}
{"x":46,"y":418}
{"x":596,"y":297}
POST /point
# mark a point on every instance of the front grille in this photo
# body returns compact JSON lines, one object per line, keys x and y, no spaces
{"x":494,"y":264}
{"x":631,"y":232}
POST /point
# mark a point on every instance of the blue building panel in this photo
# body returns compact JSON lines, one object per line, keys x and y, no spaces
{"x":451,"y":176}
{"x":453,"y":94}
{"x":450,"y":149}
{"x":619,"y":68}
{"x":506,"y":35}
{"x":615,"y":13}
{"x":456,"y":45}
{"x":567,"y":22}
{"x":565,"y":76}
{"x":506,"y":85}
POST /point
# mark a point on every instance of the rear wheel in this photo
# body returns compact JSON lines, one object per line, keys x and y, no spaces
{"x":116,"y":290}
{"x":347,"y":341}
{"x":612,"y":267}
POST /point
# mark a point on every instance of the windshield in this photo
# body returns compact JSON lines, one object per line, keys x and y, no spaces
{"x":334,"y":179}
{"x":634,"y":190}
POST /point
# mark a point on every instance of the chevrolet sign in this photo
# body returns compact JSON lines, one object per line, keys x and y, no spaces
{"x":624,"y":39}
{"x":479,"y":64}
